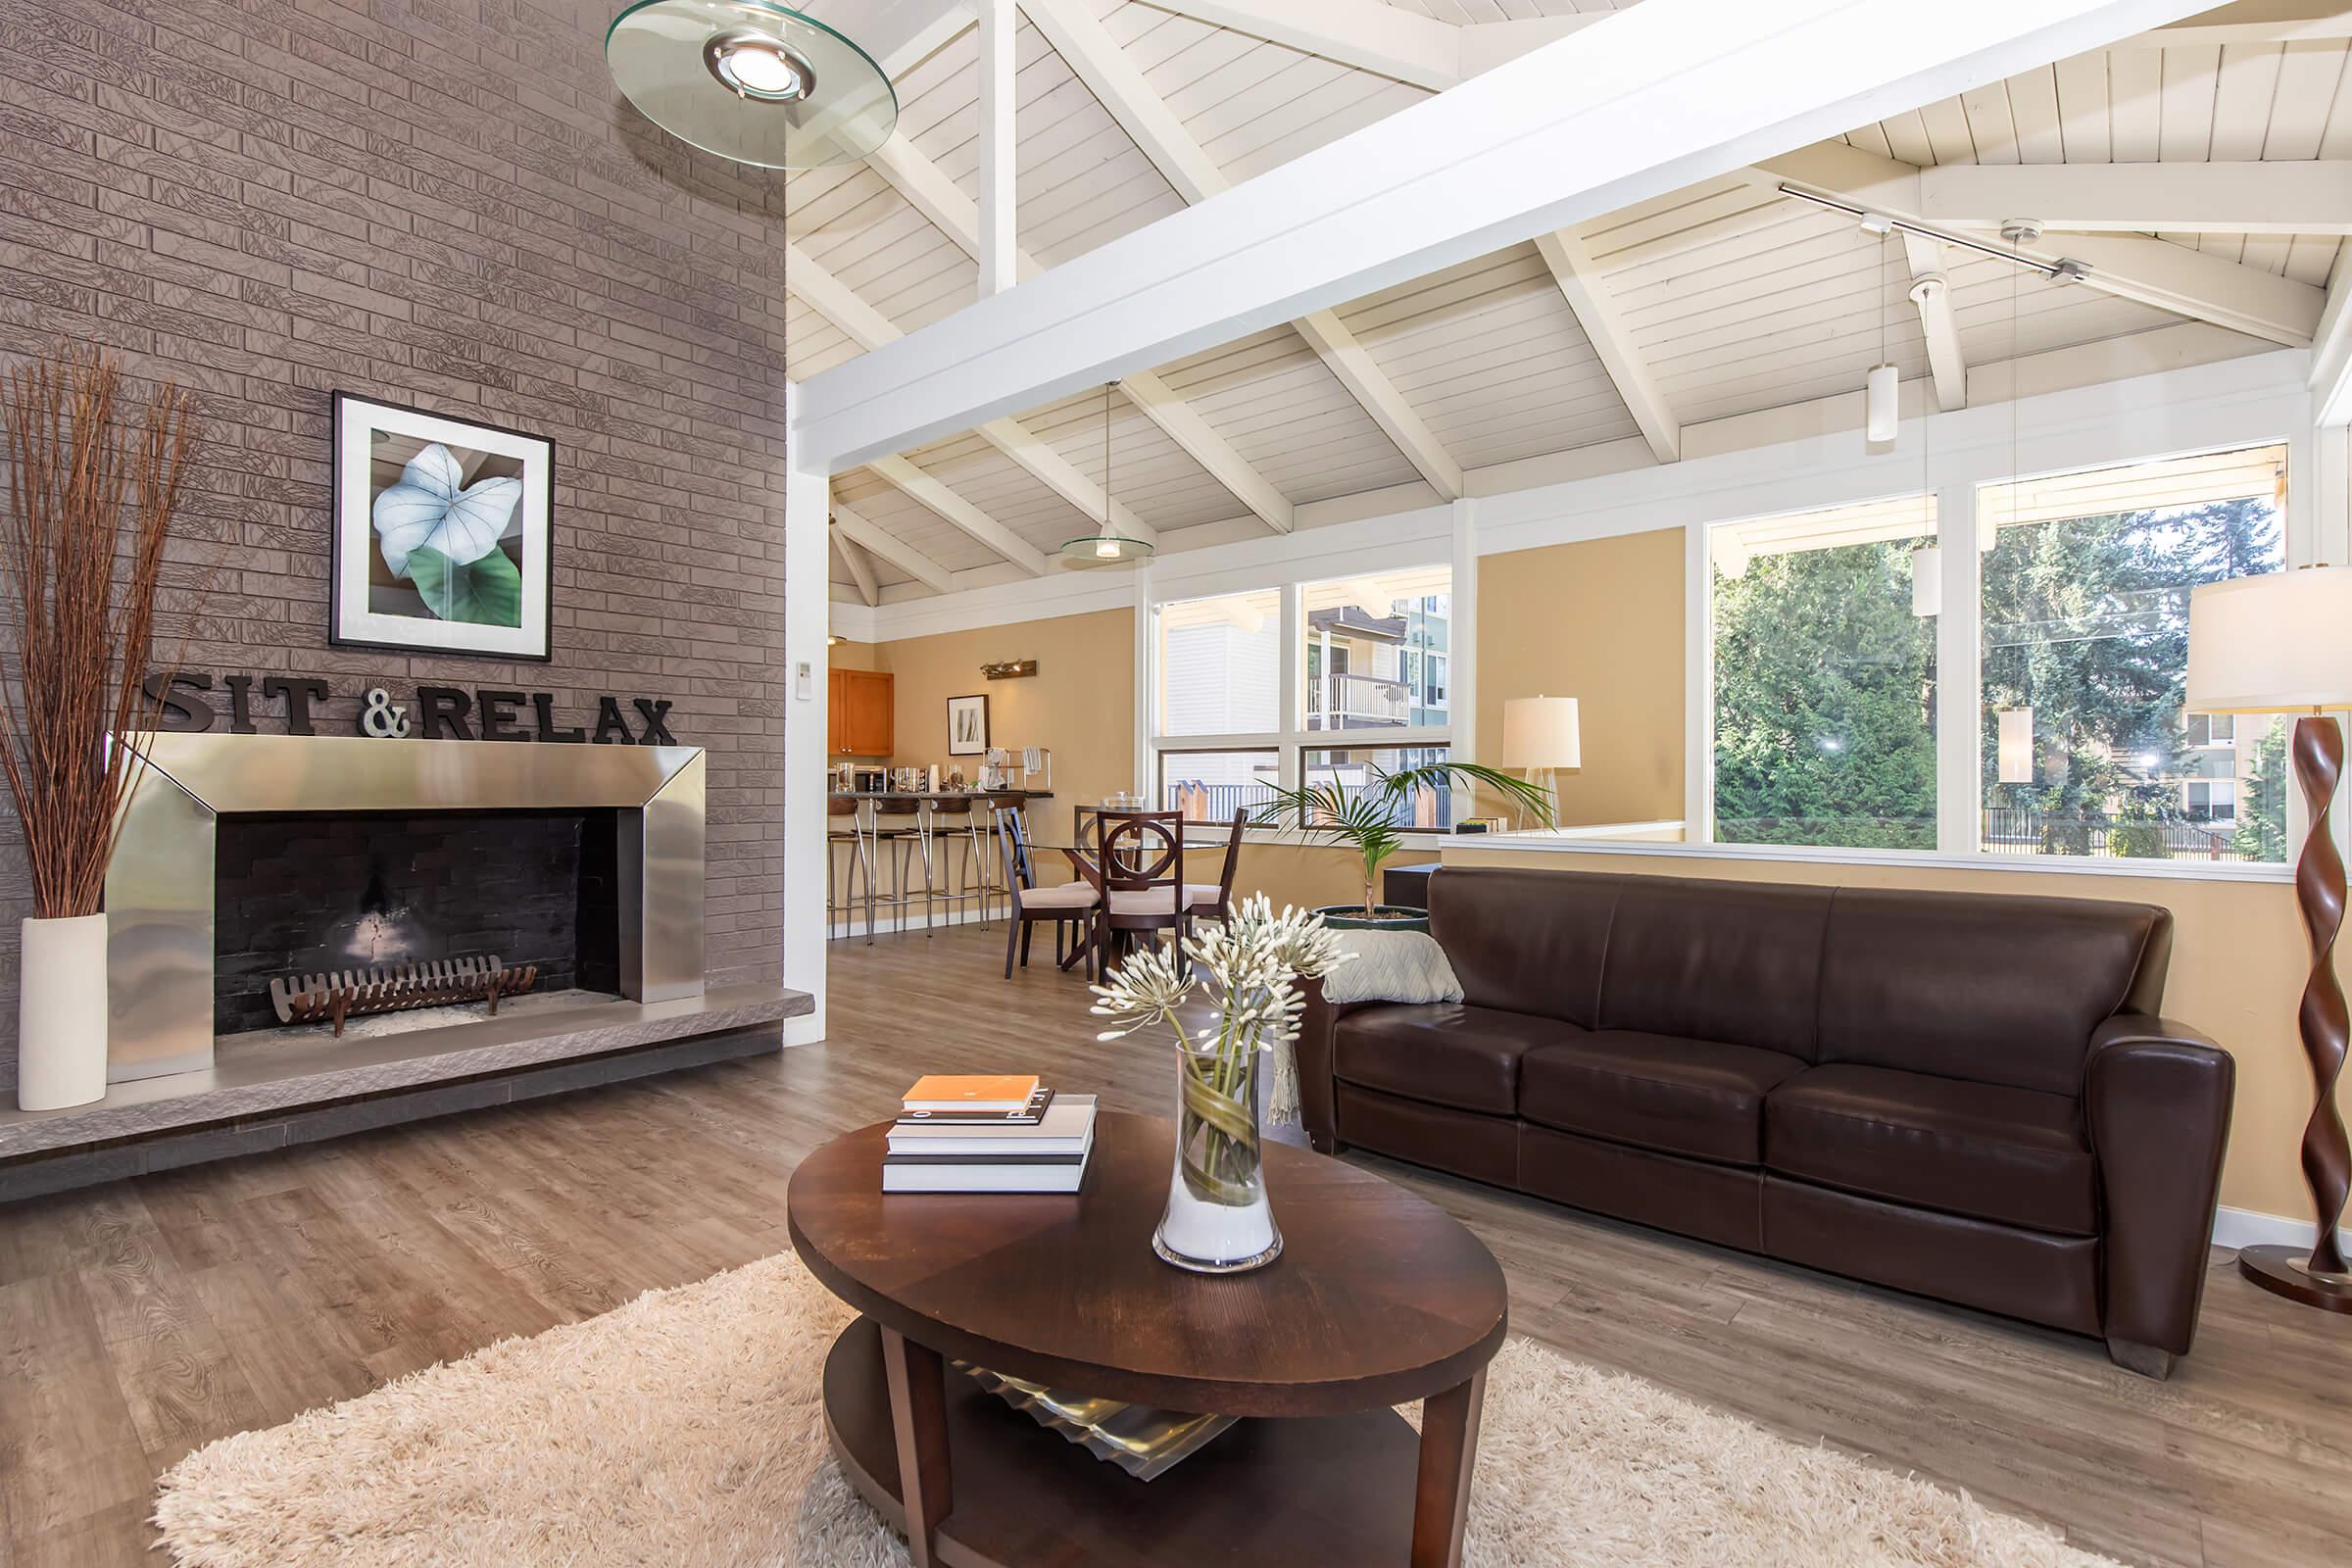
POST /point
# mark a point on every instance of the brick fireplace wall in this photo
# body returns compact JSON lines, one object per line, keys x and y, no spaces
{"x":449,"y":206}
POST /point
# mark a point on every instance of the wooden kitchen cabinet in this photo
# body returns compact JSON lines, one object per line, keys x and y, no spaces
{"x":861,"y":715}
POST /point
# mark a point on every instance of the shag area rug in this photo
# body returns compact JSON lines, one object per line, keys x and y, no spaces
{"x":685,"y":1429}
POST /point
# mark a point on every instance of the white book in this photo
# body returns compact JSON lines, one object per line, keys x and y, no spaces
{"x":1067,"y":1129}
{"x":1044,"y":1174}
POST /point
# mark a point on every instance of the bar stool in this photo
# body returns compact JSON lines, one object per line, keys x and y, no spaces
{"x":861,"y":867}
{"x":908,"y":839}
{"x":956,"y":825}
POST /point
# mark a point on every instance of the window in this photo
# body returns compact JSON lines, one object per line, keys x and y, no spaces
{"x":1368,"y":641}
{"x":1372,"y":655}
{"x":1220,"y":664}
{"x":1432,"y":808}
{"x":1823,"y":630}
{"x":1210,"y":786}
{"x":2086,"y":578}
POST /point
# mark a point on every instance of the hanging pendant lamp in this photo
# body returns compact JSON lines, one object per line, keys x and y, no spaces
{"x":752,"y":81}
{"x":1108,"y":547}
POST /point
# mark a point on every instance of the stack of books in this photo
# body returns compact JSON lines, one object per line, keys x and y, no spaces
{"x":997,"y":1134}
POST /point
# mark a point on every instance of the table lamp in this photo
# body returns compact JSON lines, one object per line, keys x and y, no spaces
{"x":1539,"y":735}
{"x":2282,"y":643}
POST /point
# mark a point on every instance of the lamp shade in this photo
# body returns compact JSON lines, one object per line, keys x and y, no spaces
{"x":2279,"y":643}
{"x":1540,"y":732}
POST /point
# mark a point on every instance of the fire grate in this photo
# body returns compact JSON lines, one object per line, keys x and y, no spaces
{"x":351,"y":993}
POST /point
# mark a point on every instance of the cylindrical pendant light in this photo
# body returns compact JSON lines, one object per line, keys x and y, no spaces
{"x":2015,"y":734}
{"x":1927,"y":580}
{"x":1882,"y":402}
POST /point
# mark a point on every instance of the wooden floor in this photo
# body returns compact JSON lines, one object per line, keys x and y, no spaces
{"x":142,"y":1319}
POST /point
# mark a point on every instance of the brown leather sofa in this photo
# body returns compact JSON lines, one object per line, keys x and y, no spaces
{"x":1967,"y":1096}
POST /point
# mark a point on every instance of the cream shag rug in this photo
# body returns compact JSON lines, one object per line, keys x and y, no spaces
{"x":684,"y":1430}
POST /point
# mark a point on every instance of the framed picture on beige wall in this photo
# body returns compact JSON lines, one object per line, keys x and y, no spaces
{"x":967,"y":726}
{"x":440,"y":533}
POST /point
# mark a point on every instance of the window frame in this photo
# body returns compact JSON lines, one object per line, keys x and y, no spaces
{"x":1293,"y":740}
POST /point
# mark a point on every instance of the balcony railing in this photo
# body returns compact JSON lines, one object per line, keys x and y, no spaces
{"x":1367,"y":702}
{"x":1216,"y":803}
{"x":2015,"y":830}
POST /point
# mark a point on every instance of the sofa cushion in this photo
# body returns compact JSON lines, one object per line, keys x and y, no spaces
{"x":1735,"y":962}
{"x":2015,"y":1156}
{"x":1685,"y":1097}
{"x":1525,"y":941}
{"x":1446,"y":1053}
{"x":1904,"y":982}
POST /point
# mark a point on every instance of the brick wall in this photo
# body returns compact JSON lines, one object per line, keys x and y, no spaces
{"x":272,"y":198}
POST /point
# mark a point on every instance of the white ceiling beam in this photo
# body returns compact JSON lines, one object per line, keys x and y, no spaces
{"x":902,"y":35}
{"x":1384,"y":39}
{"x":955,"y":214}
{"x":2253,"y":22}
{"x":2331,"y":348}
{"x":869,"y":329}
{"x":2152,"y":272}
{"x":862,"y":569}
{"x":2241,"y":198}
{"x":1931,"y":294}
{"x":861,"y":534}
{"x":1662,"y":97}
{"x":1090,"y":51}
{"x":1000,"y":250}
{"x":1587,"y":291}
{"x":952,"y":507}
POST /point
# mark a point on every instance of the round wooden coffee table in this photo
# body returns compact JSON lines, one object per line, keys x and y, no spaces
{"x":1378,"y":1299}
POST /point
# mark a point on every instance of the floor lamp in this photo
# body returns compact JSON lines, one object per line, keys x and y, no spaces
{"x":1540,"y":734}
{"x":2282,"y":643}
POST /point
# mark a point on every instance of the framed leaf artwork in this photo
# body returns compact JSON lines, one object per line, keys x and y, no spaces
{"x":441,"y":533}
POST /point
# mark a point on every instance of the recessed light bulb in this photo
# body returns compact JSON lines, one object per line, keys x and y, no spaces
{"x":1106,"y":550}
{"x":764,"y":70}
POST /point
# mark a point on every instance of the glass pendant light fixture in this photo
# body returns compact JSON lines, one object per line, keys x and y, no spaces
{"x":752,"y":81}
{"x":1108,"y":547}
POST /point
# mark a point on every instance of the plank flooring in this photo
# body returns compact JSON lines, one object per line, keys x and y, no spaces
{"x":140,"y":1320}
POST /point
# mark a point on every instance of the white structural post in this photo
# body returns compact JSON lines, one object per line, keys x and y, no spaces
{"x":806,"y":607}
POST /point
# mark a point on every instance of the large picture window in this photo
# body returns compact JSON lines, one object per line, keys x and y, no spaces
{"x":1233,"y":719}
{"x":1823,"y":630}
{"x":2087,"y":577}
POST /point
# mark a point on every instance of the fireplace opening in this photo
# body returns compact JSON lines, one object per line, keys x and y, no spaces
{"x":305,"y":893}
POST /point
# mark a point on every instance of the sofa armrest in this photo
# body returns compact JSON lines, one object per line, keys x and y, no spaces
{"x":1318,"y":1109}
{"x":2157,"y":1095}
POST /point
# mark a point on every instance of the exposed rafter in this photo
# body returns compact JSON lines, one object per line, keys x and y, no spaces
{"x":1931,"y":294}
{"x":1659,"y":98}
{"x":862,"y":571}
{"x":1586,"y":292}
{"x":934,"y":494}
{"x":869,"y":328}
{"x":938,"y":199}
{"x":1373,"y":35}
{"x":2244,"y":198}
{"x":861,"y":534}
{"x":2331,"y":348}
{"x":2152,"y":272}
{"x":2254,"y":22}
{"x":1089,"y":50}
{"x":999,"y":266}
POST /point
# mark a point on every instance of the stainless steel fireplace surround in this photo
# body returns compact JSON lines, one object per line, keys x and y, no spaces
{"x":160,"y":887}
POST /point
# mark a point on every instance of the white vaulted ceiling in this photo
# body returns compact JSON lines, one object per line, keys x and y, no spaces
{"x":1723,"y":301}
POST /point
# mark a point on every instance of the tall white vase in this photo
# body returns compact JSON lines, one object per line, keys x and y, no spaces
{"x":61,"y":1014}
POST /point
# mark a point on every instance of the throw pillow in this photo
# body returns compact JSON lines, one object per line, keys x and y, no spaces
{"x":1393,"y":967}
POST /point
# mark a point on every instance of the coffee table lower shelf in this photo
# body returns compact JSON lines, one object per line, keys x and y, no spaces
{"x":1293,"y":1491}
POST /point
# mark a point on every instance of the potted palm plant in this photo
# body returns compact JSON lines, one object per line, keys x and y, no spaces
{"x":1366,"y":818}
{"x":92,"y":494}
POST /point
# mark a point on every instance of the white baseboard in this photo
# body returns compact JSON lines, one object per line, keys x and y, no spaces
{"x":910,"y":924}
{"x":2247,"y":1227}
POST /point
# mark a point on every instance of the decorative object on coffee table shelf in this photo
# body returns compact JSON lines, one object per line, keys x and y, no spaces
{"x":351,"y":993}
{"x":967,"y":726}
{"x":1217,"y":1220}
{"x":441,"y":533}
{"x":1366,"y":819}
{"x":2282,"y":643}
{"x":83,"y":472}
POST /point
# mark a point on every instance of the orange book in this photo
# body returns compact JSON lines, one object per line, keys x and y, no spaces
{"x":971,"y":1092}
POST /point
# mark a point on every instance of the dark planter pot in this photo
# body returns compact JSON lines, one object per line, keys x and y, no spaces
{"x":1391,"y":918}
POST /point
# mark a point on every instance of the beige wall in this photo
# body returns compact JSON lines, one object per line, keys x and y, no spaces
{"x":1080,"y":704}
{"x":1600,"y":621}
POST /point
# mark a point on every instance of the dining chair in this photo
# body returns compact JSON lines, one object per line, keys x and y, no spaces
{"x":1213,"y":901}
{"x":1137,"y":866}
{"x":1069,"y":906}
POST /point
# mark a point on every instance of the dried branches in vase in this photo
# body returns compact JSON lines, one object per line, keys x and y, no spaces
{"x":91,"y":499}
{"x":1217,"y":1220}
